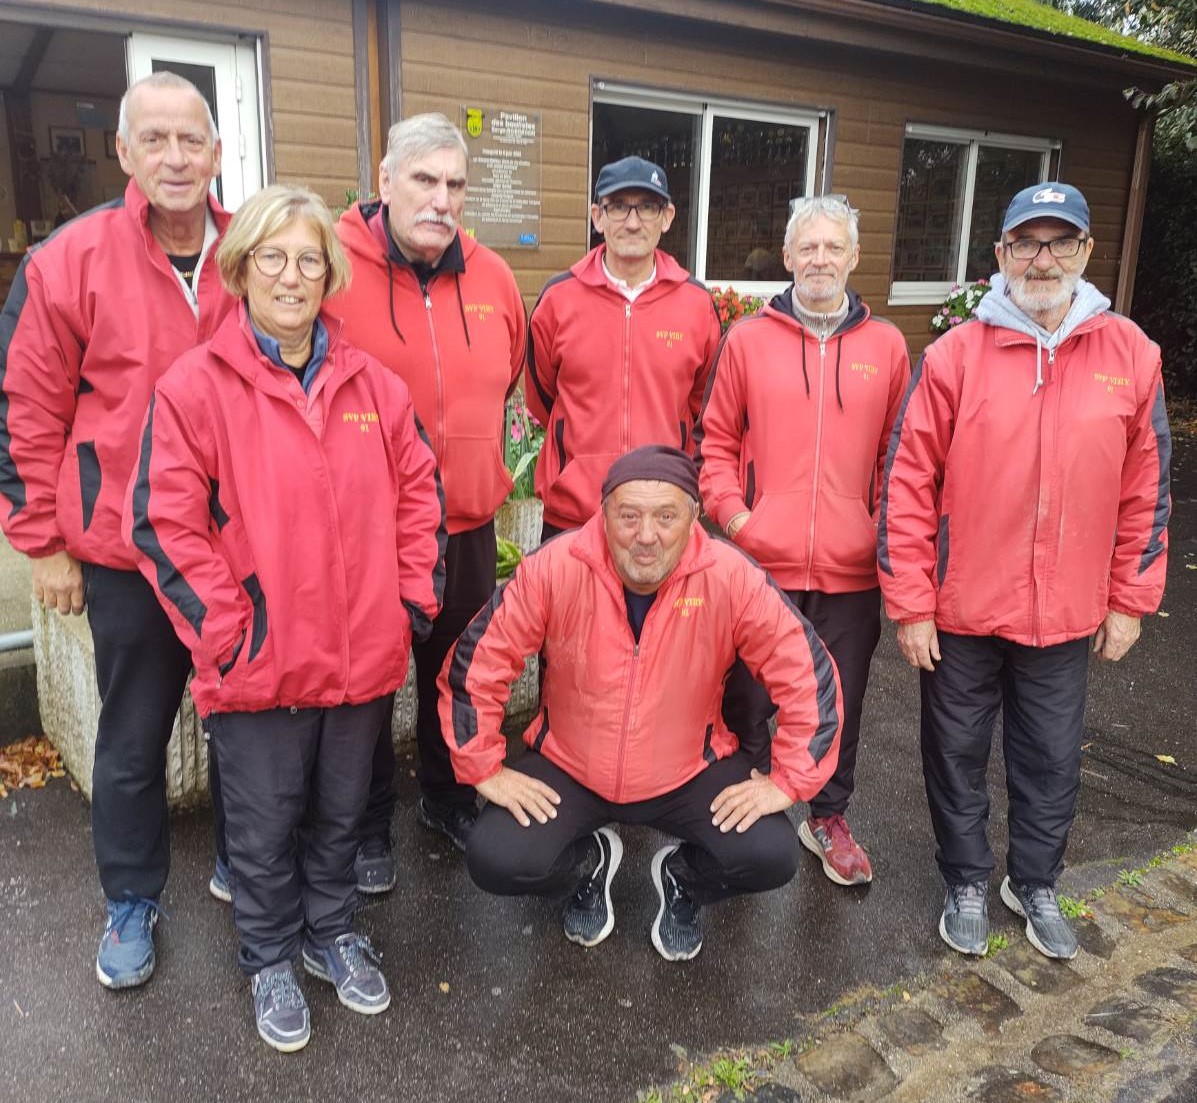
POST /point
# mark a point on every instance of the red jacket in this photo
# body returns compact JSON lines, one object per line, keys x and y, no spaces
{"x":795,"y":430}
{"x":459,"y":348}
{"x":605,"y":375}
{"x":95,"y":316}
{"x":1028,"y":515}
{"x":632,"y":721}
{"x":279,"y":528}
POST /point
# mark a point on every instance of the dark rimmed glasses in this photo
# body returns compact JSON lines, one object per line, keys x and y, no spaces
{"x":1028,"y":248}
{"x":271,"y":261}
{"x":649,"y":211}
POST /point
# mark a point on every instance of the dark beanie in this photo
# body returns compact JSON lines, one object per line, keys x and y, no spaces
{"x":656,"y":462}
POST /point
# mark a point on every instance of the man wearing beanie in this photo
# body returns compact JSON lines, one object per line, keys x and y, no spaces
{"x":639,"y":615}
{"x":1024,"y":512}
{"x":620,"y":346}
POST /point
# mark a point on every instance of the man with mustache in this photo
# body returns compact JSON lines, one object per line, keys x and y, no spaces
{"x":1024,"y":511}
{"x":446,"y":314}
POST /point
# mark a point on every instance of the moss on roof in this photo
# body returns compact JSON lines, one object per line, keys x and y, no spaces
{"x":1040,"y":17}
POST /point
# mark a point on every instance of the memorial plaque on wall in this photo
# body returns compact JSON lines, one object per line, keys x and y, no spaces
{"x":503,"y":201}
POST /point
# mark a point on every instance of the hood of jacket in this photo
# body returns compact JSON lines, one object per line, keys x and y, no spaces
{"x":783,"y":304}
{"x":365,"y":237}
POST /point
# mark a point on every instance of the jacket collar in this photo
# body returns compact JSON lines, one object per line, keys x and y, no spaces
{"x":138,"y":208}
{"x":782,"y":306}
{"x":234,"y":344}
{"x":375,"y":216}
{"x":589,"y":270}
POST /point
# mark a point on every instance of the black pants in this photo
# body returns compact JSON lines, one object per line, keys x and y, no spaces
{"x":141,"y":670}
{"x":470,"y":561}
{"x":295,"y":783}
{"x":850,"y":626}
{"x":549,"y":859}
{"x":1041,"y":692}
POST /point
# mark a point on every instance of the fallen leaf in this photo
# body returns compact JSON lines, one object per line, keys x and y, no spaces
{"x":443,"y":986}
{"x":27,"y":764}
{"x":1161,"y":613}
{"x":1166,"y":759}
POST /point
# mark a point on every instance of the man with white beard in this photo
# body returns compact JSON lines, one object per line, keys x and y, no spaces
{"x":1024,"y":511}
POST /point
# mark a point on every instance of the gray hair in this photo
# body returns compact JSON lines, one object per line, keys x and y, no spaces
{"x":834,"y":207}
{"x":163,"y":79}
{"x":420,"y":135}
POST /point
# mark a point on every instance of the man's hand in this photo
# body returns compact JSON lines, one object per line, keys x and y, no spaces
{"x":58,"y":582}
{"x":1116,"y":636}
{"x":919,"y":643}
{"x":520,"y":795}
{"x":737,"y":523}
{"x":742,"y":804}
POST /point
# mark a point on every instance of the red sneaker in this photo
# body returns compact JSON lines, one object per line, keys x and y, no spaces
{"x":830,"y":840}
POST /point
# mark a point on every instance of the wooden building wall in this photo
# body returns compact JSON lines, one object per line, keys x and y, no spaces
{"x":541,"y":56}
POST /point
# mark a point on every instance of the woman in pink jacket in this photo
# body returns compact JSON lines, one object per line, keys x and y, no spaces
{"x":287,"y":510}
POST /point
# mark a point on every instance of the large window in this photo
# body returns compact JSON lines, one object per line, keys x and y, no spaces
{"x":733,"y":169}
{"x":954,"y":188}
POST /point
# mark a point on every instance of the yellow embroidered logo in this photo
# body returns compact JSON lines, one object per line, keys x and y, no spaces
{"x":1112,"y":381}
{"x":668,"y":336}
{"x":867,"y":370}
{"x":363,"y":420}
{"x":482,"y":311}
{"x":688,"y":605}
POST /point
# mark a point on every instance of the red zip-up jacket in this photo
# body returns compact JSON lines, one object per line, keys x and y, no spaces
{"x":459,"y":347}
{"x":795,"y":429}
{"x":281,"y":530}
{"x":630,"y":720}
{"x":1024,"y":511}
{"x":605,"y":375}
{"x":95,"y":316}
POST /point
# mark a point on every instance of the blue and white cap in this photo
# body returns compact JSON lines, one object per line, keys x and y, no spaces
{"x":631,"y":172}
{"x":1049,"y":200}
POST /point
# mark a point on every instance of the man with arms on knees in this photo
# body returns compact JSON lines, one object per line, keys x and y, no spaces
{"x":640,"y":614}
{"x":96,"y":315}
{"x":444,"y":313}
{"x":620,"y":346}
{"x":791,"y":444}
{"x":1025,"y":510}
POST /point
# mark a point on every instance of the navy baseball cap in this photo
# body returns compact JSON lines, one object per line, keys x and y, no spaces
{"x":1048,"y":200}
{"x":632,"y":172}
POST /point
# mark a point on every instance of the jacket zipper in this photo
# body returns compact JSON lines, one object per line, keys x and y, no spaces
{"x":814,"y":490}
{"x":438,"y":432}
{"x":623,"y":729}
{"x":1045,"y":460}
{"x":624,"y":414}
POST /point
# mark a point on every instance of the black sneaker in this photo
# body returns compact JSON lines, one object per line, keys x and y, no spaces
{"x":589,"y":916}
{"x":1047,"y":929}
{"x":454,"y":821}
{"x":677,"y":930}
{"x":280,"y":1009}
{"x":374,"y":866}
{"x":964,"y":924}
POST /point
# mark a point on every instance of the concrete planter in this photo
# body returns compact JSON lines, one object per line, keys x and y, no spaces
{"x":69,"y":701}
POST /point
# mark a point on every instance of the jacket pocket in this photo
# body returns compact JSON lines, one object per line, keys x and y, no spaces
{"x":845,"y":535}
{"x":941,"y":551}
{"x":89,"y":478}
{"x":260,"y":624}
{"x":474,"y":478}
{"x":775,"y":534}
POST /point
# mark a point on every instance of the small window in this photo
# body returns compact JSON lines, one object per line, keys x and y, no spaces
{"x":953,"y":191}
{"x":733,"y":169}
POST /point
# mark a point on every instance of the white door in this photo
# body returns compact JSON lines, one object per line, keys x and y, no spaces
{"x":226,"y":73}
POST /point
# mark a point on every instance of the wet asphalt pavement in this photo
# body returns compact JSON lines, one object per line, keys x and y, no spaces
{"x":490,"y":1001}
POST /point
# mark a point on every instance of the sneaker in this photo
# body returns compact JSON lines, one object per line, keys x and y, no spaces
{"x":677,"y":930}
{"x":221,"y":884}
{"x":454,"y":821}
{"x":280,"y":1009}
{"x":830,"y":840}
{"x":1048,"y":930}
{"x":351,"y":963}
{"x":589,"y":917}
{"x":374,"y":866}
{"x":964,"y":924}
{"x":126,"y":955}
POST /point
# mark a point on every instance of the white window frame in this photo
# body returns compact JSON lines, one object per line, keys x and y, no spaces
{"x":705,"y":108}
{"x":933,"y":292}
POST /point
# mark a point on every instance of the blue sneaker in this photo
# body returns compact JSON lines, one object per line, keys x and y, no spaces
{"x":350,"y":963}
{"x":221,"y":884}
{"x":126,"y":955}
{"x":280,"y":1010}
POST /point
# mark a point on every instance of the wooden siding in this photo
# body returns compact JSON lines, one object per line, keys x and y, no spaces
{"x":541,"y":57}
{"x":309,"y":61}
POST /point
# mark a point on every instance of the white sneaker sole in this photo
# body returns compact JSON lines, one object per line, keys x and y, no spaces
{"x":658,"y":876}
{"x":284,"y":1046}
{"x":943,"y":933}
{"x":1015,"y":905}
{"x":616,"y":844}
{"x":220,"y":891}
{"x":807,"y":838}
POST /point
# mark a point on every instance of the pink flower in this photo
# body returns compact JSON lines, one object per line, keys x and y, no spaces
{"x":955,"y":320}
{"x":517,"y":432}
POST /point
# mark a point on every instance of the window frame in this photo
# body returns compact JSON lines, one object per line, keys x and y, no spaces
{"x":933,"y":292}
{"x":816,"y":120}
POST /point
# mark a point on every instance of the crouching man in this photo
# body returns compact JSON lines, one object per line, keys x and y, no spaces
{"x":638,"y":615}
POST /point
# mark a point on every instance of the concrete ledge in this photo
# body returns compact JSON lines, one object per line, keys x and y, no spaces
{"x":70,"y":702}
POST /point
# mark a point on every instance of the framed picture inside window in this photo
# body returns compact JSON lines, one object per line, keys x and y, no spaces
{"x":66,"y":141}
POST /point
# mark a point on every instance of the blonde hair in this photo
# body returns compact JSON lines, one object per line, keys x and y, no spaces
{"x":265,"y":213}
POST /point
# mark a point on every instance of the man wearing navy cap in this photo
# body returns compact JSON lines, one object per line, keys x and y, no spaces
{"x":1024,"y":513}
{"x":620,"y":346}
{"x":639,"y":614}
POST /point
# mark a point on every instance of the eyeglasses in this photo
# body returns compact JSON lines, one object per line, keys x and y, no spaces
{"x":649,"y":211}
{"x":271,"y":262}
{"x":1028,"y":248}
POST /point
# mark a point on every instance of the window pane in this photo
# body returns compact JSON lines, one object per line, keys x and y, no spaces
{"x":1000,"y":173}
{"x":930,"y":196}
{"x":756,"y":169}
{"x":668,"y":139}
